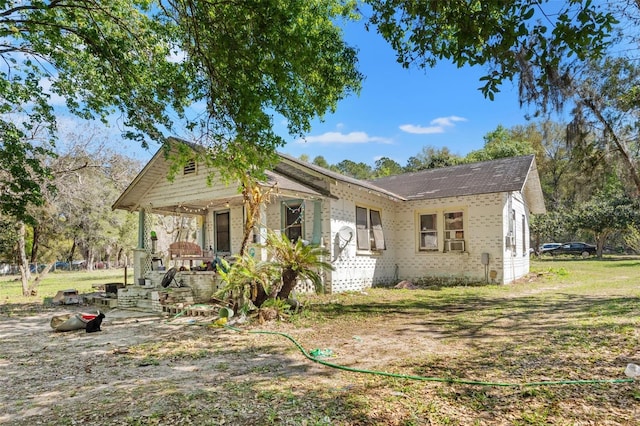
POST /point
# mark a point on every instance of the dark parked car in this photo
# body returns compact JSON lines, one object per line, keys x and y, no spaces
{"x":62,"y":265}
{"x":547,"y":247}
{"x":578,"y":249}
{"x":36,"y":267}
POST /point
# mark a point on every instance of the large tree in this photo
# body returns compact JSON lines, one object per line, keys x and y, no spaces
{"x":250,"y":60}
{"x":604,"y":214}
{"x":146,"y":62}
{"x":385,"y":166}
{"x":524,"y":39}
{"x":358,"y":170}
{"x":558,"y":175}
{"x":605,"y":126}
{"x":77,"y":215}
{"x":100,"y":57}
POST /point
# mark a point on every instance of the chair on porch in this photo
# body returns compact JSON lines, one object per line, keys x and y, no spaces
{"x":185,"y":250}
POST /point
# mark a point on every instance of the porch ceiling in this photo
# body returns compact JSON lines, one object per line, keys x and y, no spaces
{"x":197,"y":207}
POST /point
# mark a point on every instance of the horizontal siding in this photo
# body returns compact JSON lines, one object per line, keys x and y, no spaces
{"x":186,"y":189}
{"x":516,"y":262}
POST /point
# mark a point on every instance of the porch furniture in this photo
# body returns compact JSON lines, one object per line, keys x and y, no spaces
{"x":169,"y":277}
{"x":185,"y":250}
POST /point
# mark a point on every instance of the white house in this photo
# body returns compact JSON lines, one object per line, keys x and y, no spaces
{"x":468,"y":222}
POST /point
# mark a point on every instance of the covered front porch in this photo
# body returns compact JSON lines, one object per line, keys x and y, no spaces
{"x":207,"y":223}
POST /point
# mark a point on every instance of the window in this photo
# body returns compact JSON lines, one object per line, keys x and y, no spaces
{"x":510,"y":240}
{"x":524,"y":236}
{"x":512,"y":222}
{"x":428,"y":232}
{"x":293,"y":213}
{"x":222,"y":232}
{"x":369,"y":229}
{"x":453,"y":226}
{"x":454,"y":231}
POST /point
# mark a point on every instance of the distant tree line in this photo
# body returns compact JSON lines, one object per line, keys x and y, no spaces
{"x":75,"y":220}
{"x":500,"y":143}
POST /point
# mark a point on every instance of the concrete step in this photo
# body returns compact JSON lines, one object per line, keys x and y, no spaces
{"x":144,"y":304}
{"x":103,"y":302}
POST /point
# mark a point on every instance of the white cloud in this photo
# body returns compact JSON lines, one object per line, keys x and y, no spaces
{"x":55,"y":99}
{"x":437,"y":125}
{"x":344,"y":138}
{"x":177,"y":55}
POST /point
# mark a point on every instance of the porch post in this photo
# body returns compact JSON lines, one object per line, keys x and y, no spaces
{"x":203,"y":230}
{"x":141,"y":219}
{"x":140,"y":253}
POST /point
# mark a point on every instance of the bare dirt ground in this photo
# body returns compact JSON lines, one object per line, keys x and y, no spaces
{"x":124,"y":371}
{"x":148,"y":369}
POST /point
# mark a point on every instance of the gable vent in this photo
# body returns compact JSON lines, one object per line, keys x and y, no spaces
{"x":190,"y":167}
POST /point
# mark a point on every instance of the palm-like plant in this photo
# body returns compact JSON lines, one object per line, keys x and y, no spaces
{"x":245,"y":280}
{"x":250,"y":281}
{"x":295,"y":261}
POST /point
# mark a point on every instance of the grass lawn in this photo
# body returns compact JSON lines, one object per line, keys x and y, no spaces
{"x":571,"y":320}
{"x":11,"y":286}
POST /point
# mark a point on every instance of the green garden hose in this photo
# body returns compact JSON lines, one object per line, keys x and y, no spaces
{"x":431,"y":379}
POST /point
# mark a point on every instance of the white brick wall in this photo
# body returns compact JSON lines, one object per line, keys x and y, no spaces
{"x":482,"y":234}
{"x":356,"y":271}
{"x":486,"y":223}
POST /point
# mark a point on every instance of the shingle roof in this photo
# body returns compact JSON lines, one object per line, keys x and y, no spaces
{"x":284,"y":183}
{"x":504,"y":175}
{"x":507,"y":174}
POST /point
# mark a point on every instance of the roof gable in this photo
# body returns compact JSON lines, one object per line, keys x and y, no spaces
{"x":157,"y":170}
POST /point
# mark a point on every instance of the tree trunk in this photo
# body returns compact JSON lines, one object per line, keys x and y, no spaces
{"x":261,"y":296}
{"x":601,"y":238}
{"x":250,"y":222}
{"x":89,"y":259}
{"x":33,"y":287}
{"x":107,"y":257}
{"x":25,"y":274}
{"x":34,"y":248}
{"x":621,"y":146}
{"x":252,"y":196}
{"x":289,"y":281}
{"x":72,"y":251}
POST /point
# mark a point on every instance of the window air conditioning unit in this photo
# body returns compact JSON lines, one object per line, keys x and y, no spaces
{"x":454,"y":245}
{"x":510,"y":241}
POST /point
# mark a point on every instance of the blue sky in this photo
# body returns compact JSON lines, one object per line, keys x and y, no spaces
{"x":399,"y":111}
